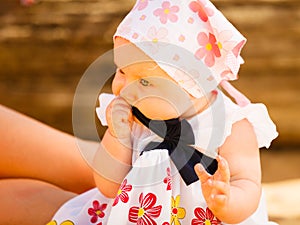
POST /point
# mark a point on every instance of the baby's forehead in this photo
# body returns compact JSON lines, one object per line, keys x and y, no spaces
{"x":149,"y":70}
{"x":126,"y":53}
{"x":130,"y":58}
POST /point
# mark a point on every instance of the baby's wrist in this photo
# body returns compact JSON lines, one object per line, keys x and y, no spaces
{"x":125,"y":141}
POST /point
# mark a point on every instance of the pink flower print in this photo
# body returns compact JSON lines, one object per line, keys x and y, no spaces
{"x":168,"y":179}
{"x":97,"y":211}
{"x":156,"y":38}
{"x":176,"y":57}
{"x":135,"y":35}
{"x":223,"y":40}
{"x":237,"y":49}
{"x":144,"y":214}
{"x":204,"y":217}
{"x":167,"y":12}
{"x":125,"y":27}
{"x":200,"y":8}
{"x":209,"y":50}
{"x":122,"y":193}
{"x":157,"y":35}
{"x":230,"y":51}
{"x":187,"y":80}
{"x":184,"y":79}
{"x":142,"y":4}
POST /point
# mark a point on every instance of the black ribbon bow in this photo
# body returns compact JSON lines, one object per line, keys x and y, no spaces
{"x":178,"y":137}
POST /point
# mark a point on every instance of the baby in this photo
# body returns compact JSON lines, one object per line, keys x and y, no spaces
{"x":177,"y":150}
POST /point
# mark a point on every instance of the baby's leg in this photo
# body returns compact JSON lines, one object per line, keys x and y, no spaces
{"x":30,"y":149}
{"x":27,"y":202}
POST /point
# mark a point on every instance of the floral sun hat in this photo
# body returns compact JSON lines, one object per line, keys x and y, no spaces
{"x":191,"y":40}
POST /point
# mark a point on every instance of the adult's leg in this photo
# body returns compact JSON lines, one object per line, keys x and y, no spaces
{"x":30,"y":149}
{"x":27,"y":202}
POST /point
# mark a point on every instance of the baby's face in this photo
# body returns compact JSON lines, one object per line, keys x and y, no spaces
{"x":143,"y":84}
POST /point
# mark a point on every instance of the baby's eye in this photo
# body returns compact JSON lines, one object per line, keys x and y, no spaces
{"x":144,"y":82}
{"x":121,"y":71}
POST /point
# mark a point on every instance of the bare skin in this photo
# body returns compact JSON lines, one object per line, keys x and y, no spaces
{"x":238,"y":178}
{"x":30,"y":201}
{"x":40,"y":168}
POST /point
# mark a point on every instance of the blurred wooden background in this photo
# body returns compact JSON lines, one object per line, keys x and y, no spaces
{"x":46,"y":48}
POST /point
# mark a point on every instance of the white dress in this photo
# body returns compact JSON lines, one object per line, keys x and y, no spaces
{"x":153,"y":191}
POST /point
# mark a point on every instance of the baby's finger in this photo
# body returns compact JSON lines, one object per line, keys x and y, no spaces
{"x":119,"y":104}
{"x":220,"y":200}
{"x":220,"y":187}
{"x":201,"y":173}
{"x":119,"y":111}
{"x":223,"y":170}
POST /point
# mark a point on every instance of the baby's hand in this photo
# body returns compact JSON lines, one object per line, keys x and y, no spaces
{"x":215,"y":188}
{"x":119,"y":119}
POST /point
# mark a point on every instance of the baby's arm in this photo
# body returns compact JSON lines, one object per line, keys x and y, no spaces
{"x":233,"y":192}
{"x":113,"y":159}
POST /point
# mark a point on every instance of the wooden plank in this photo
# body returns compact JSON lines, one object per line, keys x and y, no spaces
{"x":52,"y":43}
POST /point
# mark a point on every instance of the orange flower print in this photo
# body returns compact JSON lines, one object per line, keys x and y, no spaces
{"x":209,"y":48}
{"x":200,"y":8}
{"x":181,"y":38}
{"x":177,"y":213}
{"x":167,"y":12}
{"x":205,"y":217}
{"x":67,"y":222}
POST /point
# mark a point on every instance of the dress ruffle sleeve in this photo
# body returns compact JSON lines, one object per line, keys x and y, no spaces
{"x":257,"y":115}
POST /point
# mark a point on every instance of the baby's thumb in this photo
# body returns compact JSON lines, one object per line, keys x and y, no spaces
{"x":201,"y":173}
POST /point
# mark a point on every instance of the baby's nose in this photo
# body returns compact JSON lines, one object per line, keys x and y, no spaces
{"x":118,"y":83}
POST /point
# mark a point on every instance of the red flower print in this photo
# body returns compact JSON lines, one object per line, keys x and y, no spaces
{"x":97,"y":211}
{"x":209,"y":49}
{"x":168,"y":179}
{"x":199,"y":7}
{"x":144,"y":214}
{"x":167,"y":12}
{"x":205,"y":217}
{"x":122,"y":193}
